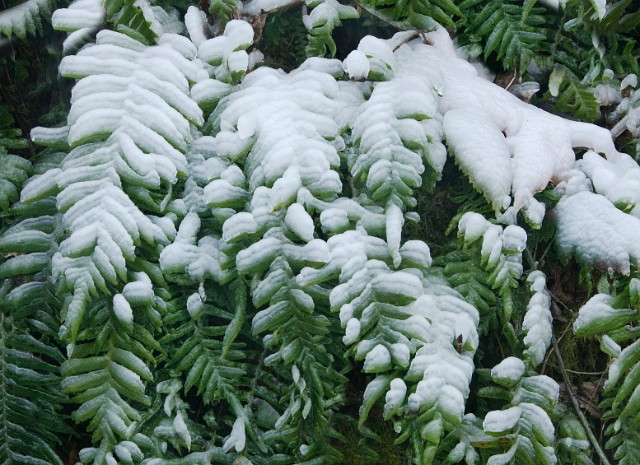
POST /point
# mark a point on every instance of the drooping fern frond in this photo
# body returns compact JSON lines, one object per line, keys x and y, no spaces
{"x":321,"y":22}
{"x":274,"y":237}
{"x":111,"y":311}
{"x":30,"y":356}
{"x":500,"y":254}
{"x":25,"y":18}
{"x":612,"y":318}
{"x":525,"y":425}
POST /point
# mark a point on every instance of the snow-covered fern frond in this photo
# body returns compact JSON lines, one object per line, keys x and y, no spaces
{"x":500,"y":254}
{"x":612,"y":317}
{"x":129,"y":125}
{"x":25,"y":18}
{"x":15,"y":171}
{"x":321,"y":21}
{"x":268,"y":234}
{"x":524,"y":424}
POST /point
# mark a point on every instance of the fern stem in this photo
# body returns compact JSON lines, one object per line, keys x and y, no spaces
{"x":576,"y":405}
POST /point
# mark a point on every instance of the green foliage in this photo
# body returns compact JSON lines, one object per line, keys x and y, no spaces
{"x":30,"y":355}
{"x":513,"y":32}
{"x":576,"y":99}
{"x":611,"y":317}
{"x":222,"y":248}
{"x":419,"y":14}
{"x":132,"y":18}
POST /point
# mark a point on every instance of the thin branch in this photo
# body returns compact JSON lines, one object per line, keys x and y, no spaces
{"x":587,"y":373}
{"x":403,"y":26}
{"x":409,"y":38}
{"x":576,"y":405}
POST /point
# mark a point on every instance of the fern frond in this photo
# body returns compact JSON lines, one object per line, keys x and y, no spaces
{"x":30,"y":365}
{"x":30,"y":357}
{"x":94,"y":257}
{"x":611,"y":318}
{"x":25,"y":18}
{"x":15,"y":171}
{"x":422,"y":15}
{"x":525,"y":426}
{"x":510,"y":32}
{"x":500,"y":254}
{"x":577,"y":100}
{"x":111,"y":311}
{"x":321,"y":22}
{"x":274,"y":238}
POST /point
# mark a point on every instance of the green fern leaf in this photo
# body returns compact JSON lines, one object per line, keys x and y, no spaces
{"x":576,"y":100}
{"x":512,"y":33}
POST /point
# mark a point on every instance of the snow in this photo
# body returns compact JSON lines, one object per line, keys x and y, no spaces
{"x":482,"y":153}
{"x":259,"y":255}
{"x":221,"y":193}
{"x":538,"y":321}
{"x":540,"y":422}
{"x":598,"y":233}
{"x":381,"y":58}
{"x":416,"y":253}
{"x":357,"y":65}
{"x":499,"y":421}
{"x":195,"y":306}
{"x":225,"y":53}
{"x":400,"y":352}
{"x":598,"y":316}
{"x":299,"y":222}
{"x":610,"y":347}
{"x":256,"y":7}
{"x":514,"y":239}
{"x":122,"y":310}
{"x":394,"y":224}
{"x":617,"y":179}
{"x":473,"y":226}
{"x":195,"y":20}
{"x":377,"y":359}
{"x":352,"y":330}
{"x":238,"y":227}
{"x":508,"y":372}
{"x":138,"y":292}
{"x":80,"y":14}
{"x":395,"y":395}
{"x":541,"y":144}
{"x":237,"y":439}
{"x":542,"y":385}
{"x":630,"y":80}
{"x":334,"y":220}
